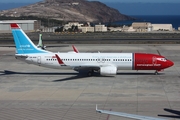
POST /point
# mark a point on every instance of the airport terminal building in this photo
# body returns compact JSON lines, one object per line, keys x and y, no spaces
{"x":26,"y":25}
{"x":148,"y":27}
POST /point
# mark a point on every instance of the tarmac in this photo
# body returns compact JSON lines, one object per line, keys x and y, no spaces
{"x":29,"y":92}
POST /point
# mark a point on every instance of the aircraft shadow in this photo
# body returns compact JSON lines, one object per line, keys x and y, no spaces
{"x":74,"y":77}
{"x":7,"y":72}
{"x":177,"y":113}
{"x":80,"y":76}
{"x":77,"y":75}
{"x":71,"y":78}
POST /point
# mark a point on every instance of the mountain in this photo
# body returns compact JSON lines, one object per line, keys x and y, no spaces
{"x":69,"y":10}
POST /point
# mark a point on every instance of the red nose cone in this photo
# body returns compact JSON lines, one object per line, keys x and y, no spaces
{"x":167,"y":64}
{"x":170,"y":63}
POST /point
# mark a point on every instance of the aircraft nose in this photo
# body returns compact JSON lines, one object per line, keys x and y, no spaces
{"x":170,"y":63}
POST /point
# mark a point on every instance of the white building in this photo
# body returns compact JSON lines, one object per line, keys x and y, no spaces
{"x":130,"y":29}
{"x":141,"y":26}
{"x":48,"y":29}
{"x":162,"y":27}
{"x":86,"y":29}
{"x":100,"y":28}
{"x":115,"y":29}
{"x":26,"y":25}
{"x":70,"y":24}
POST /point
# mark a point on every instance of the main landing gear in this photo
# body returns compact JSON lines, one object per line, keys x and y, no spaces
{"x":90,"y":73}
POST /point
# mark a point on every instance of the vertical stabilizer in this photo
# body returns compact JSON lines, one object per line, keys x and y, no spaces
{"x":23,"y":44}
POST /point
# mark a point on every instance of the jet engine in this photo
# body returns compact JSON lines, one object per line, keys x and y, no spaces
{"x":108,"y":70}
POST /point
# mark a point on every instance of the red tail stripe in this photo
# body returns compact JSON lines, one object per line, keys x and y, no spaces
{"x":59,"y":59}
{"x":14,"y":25}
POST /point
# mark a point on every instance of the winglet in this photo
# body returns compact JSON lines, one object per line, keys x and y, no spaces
{"x":75,"y":49}
{"x":40,"y":44}
{"x":97,"y":110}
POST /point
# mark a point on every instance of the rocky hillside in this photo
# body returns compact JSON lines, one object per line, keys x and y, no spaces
{"x":69,"y":10}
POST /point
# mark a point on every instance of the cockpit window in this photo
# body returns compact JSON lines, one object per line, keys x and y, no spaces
{"x":163,"y":59}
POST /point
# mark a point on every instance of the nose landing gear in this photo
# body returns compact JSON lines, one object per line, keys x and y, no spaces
{"x":157,"y":72}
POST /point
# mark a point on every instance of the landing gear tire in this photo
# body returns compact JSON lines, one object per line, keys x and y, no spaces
{"x":156,"y":72}
{"x":90,"y":73}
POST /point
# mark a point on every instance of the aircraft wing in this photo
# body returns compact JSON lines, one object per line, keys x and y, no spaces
{"x":91,"y":66}
{"x":87,"y":67}
{"x":126,"y":115}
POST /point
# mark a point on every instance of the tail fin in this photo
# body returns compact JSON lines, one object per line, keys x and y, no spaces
{"x":23,"y":44}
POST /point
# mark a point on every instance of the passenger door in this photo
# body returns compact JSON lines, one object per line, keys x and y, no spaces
{"x":39,"y":59}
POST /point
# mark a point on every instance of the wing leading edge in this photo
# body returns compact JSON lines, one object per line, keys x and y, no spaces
{"x":126,"y":115}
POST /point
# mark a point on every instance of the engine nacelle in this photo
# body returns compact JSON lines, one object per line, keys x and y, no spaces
{"x":108,"y":70}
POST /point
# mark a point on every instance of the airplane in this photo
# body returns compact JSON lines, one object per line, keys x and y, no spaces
{"x":106,"y":64}
{"x":126,"y":115}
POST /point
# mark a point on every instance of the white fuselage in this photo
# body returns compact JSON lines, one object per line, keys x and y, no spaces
{"x":122,"y":61}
